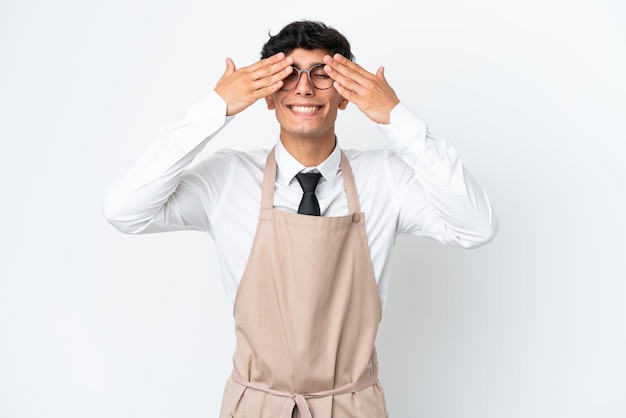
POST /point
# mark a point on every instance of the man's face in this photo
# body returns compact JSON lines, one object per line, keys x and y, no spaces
{"x":306,"y":112}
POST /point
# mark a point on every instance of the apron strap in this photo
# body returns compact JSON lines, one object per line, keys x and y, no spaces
{"x":349,"y":185}
{"x":299,"y":400}
{"x":269,"y":183}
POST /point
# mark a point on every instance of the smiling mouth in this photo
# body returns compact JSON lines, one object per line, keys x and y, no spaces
{"x":304,"y":109}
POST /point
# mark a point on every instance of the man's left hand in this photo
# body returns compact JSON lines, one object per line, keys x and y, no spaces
{"x":371,"y":93}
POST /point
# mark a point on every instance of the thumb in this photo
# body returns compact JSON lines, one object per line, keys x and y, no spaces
{"x":230,"y":67}
{"x":380,"y":73}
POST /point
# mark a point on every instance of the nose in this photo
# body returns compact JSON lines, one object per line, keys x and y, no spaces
{"x":304,"y":86}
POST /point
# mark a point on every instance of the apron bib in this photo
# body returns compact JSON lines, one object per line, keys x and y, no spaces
{"x":306,"y":314}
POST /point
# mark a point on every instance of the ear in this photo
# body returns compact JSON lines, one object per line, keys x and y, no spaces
{"x":343,"y":103}
{"x":270,"y":102}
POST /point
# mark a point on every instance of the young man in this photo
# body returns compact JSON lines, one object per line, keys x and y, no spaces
{"x":304,"y":257}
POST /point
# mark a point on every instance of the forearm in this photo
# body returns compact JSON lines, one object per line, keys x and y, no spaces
{"x":462,"y":215}
{"x":141,"y":192}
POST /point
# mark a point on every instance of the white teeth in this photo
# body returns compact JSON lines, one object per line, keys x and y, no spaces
{"x":304,"y":109}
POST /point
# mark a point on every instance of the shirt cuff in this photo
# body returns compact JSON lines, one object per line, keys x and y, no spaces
{"x":405,"y":130}
{"x":199,"y":122}
{"x":209,"y":111}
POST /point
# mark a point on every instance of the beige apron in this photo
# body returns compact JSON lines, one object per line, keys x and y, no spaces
{"x":306,"y":316}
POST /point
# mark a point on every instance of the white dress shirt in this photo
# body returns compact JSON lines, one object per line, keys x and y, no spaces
{"x":421,"y":189}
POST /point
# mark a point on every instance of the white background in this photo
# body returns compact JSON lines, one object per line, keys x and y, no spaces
{"x":95,"y":323}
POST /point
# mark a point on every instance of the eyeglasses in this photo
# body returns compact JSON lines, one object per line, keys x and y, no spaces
{"x":316,"y":74}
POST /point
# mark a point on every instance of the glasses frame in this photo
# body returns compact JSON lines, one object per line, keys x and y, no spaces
{"x":308,"y":75}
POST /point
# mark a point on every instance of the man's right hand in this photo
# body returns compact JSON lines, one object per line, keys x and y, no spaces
{"x":240,"y":88}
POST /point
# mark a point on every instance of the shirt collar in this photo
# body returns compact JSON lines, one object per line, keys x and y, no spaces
{"x":288,"y":166}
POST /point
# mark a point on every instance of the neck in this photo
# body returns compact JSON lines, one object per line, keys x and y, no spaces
{"x":310,"y":152}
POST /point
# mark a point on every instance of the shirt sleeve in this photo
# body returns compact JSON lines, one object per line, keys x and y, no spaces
{"x":457,"y":210}
{"x":155,"y":193}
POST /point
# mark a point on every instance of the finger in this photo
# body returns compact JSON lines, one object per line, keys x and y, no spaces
{"x":272,"y":81}
{"x":346,"y":72}
{"x":346,"y":80}
{"x":271,"y":70}
{"x":281,"y":68}
{"x":346,"y":67}
{"x":272,"y":64}
{"x":269,"y":90}
{"x":347,"y":94}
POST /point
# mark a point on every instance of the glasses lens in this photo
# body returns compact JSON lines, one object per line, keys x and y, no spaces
{"x":291,"y":80}
{"x":320,"y":79}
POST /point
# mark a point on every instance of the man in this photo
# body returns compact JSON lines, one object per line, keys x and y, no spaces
{"x":304,"y":230}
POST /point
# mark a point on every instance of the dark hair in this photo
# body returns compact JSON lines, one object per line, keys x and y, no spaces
{"x":307,"y":34}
